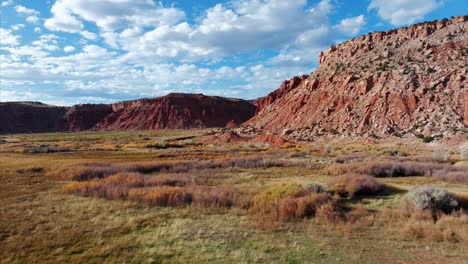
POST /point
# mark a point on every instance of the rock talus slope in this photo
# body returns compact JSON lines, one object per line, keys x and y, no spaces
{"x":407,"y":80}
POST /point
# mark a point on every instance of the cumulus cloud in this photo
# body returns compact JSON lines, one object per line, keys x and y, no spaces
{"x":88,"y":35}
{"x":7,"y":3}
{"x":32,"y":19}
{"x":17,"y":27}
{"x":404,"y":12}
{"x":110,"y":15}
{"x":142,"y":48}
{"x":7,"y":38}
{"x":351,"y":26}
{"x":68,"y":48}
{"x":47,"y":42}
{"x":25,"y":11}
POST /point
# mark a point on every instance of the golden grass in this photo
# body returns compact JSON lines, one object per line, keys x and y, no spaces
{"x":206,"y":214}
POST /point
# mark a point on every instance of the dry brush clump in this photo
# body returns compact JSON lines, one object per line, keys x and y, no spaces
{"x":86,"y":171}
{"x":451,"y":227}
{"x":161,"y":196}
{"x":396,"y":168}
{"x":384,"y":168}
{"x":334,"y":216}
{"x":97,"y":170}
{"x":287,"y":203}
{"x":429,"y":213}
{"x":429,"y":198}
{"x":351,"y":184}
{"x":161,"y":190}
{"x":453,"y":175}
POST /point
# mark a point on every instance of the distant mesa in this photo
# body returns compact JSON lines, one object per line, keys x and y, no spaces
{"x":173,"y":111}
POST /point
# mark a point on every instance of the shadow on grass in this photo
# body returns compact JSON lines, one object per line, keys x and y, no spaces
{"x":384,"y":194}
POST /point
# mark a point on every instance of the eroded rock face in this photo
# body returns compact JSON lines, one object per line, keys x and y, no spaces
{"x":28,"y":117}
{"x":286,"y":87}
{"x":404,"y":80}
{"x":86,"y":116}
{"x":174,"y":111}
{"x":178,"y":111}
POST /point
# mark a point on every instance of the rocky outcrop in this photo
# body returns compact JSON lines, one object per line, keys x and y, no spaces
{"x":407,"y":80}
{"x":27,"y":117}
{"x":178,"y":111}
{"x":286,"y":87}
{"x":174,"y":111}
{"x":86,"y":116}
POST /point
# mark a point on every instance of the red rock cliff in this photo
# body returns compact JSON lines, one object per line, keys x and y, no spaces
{"x":410,"y":80}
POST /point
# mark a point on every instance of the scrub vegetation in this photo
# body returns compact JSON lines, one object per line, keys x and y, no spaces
{"x":110,"y":197}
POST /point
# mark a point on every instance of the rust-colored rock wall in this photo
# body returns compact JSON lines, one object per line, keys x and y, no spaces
{"x":407,"y":80}
{"x":174,"y":111}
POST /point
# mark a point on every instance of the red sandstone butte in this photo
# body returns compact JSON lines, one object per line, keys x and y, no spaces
{"x":407,"y":80}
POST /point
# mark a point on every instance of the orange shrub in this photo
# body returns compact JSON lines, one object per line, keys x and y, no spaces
{"x":82,"y":188}
{"x":208,"y":197}
{"x":297,"y":208}
{"x":161,"y":196}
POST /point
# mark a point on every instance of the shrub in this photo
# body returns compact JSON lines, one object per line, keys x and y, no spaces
{"x":315,"y":188}
{"x":273,"y":194}
{"x":462,"y":199}
{"x":86,"y":171}
{"x":452,"y":174}
{"x":427,"y":139}
{"x":422,"y":225}
{"x":297,"y":208}
{"x":430,"y":198}
{"x":351,"y":184}
{"x":214,"y":197}
{"x":386,"y":168}
{"x":161,"y":196}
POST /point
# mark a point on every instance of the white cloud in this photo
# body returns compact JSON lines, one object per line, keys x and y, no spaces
{"x":25,"y":11}
{"x":47,"y":42}
{"x":7,"y":38}
{"x":17,"y":27}
{"x":32,"y":19}
{"x":88,"y":35}
{"x":404,"y":12}
{"x":351,"y":26}
{"x":37,"y":30}
{"x":68,"y":49}
{"x":7,"y":3}
{"x":110,"y":15}
{"x":158,"y":52}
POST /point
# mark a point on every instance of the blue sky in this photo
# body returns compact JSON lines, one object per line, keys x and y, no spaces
{"x":101,"y":51}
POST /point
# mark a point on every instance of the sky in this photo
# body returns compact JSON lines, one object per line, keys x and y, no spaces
{"x":67,"y":52}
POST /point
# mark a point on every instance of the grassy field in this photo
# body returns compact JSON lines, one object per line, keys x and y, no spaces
{"x":182,"y":199}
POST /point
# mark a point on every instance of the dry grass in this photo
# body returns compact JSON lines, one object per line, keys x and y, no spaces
{"x":197,"y":204}
{"x":399,"y":168}
{"x":97,"y":170}
{"x":385,"y":168}
{"x":351,"y":184}
{"x":161,"y":196}
{"x":453,"y":175}
{"x":421,"y":225}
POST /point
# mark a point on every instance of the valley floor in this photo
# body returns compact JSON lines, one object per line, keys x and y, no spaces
{"x":42,"y":221}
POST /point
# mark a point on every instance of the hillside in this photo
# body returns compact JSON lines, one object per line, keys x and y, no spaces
{"x":174,"y":111}
{"x":177,"y":111}
{"x":407,"y":80}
